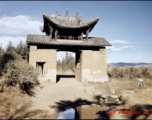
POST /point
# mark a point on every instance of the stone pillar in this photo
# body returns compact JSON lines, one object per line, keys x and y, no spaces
{"x":51,"y":66}
{"x":55,"y":34}
{"x":48,"y":57}
{"x":103,"y":64}
{"x":94,"y":66}
{"x":32,"y":53}
{"x":86,"y":61}
{"x":51,"y":32}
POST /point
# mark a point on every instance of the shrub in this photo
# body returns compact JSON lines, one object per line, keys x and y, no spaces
{"x":19,"y":74}
{"x":145,"y":72}
{"x":68,"y":63}
{"x":6,"y":57}
{"x":116,"y":72}
{"x":22,"y":50}
{"x":10,"y":47}
{"x":10,"y":100}
{"x":59,"y":65}
{"x":129,"y":72}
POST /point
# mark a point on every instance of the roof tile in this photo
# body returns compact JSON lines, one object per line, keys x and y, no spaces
{"x":42,"y":39}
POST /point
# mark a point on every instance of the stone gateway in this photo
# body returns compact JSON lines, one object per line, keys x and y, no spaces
{"x":66,"y":33}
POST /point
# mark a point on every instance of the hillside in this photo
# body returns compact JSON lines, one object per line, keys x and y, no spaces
{"x":122,"y":64}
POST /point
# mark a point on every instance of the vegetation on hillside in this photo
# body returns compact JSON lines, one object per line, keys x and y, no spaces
{"x":129,"y":72}
{"x":14,"y":69}
{"x":67,"y":63}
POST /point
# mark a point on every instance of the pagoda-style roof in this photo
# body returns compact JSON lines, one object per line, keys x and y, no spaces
{"x":68,"y":22}
{"x":74,"y":25}
{"x":45,"y":40}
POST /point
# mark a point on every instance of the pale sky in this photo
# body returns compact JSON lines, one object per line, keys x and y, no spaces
{"x":127,"y":25}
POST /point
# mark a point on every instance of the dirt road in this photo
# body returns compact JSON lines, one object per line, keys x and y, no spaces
{"x":66,"y":89}
{"x":70,"y":89}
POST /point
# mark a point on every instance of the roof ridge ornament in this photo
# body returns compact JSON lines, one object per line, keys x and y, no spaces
{"x":77,"y":15}
{"x":66,"y":13}
{"x":99,"y":16}
{"x":56,"y":12}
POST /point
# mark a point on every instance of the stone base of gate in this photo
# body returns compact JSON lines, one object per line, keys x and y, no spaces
{"x":101,"y":79}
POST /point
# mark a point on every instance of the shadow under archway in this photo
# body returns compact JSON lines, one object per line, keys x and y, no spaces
{"x":58,"y":77}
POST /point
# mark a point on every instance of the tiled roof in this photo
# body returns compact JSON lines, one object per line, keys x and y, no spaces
{"x":69,"y":22}
{"x":42,"y":39}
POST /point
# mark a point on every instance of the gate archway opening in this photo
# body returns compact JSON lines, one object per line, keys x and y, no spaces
{"x":66,"y":61}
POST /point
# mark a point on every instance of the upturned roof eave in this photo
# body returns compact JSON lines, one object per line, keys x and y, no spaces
{"x":68,"y":27}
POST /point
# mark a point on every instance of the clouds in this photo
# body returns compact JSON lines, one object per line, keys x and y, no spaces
{"x":119,"y":45}
{"x":119,"y":42}
{"x":16,"y":28}
{"x":4,"y":40}
{"x":120,"y":48}
{"x":20,"y":25}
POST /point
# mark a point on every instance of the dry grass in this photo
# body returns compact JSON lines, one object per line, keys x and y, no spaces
{"x":127,"y":87}
{"x":129,"y":72}
{"x":19,"y":74}
{"x":15,"y":88}
{"x":11,"y":98}
{"x":118,"y":85}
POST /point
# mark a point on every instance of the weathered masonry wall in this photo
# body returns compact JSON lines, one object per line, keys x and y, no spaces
{"x":48,"y":57}
{"x":94,"y":66}
{"x":91,"y":65}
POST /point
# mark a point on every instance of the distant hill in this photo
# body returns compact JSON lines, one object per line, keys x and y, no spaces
{"x":122,"y":64}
